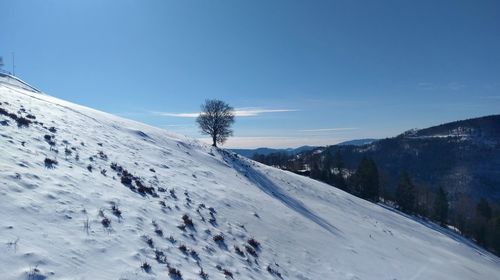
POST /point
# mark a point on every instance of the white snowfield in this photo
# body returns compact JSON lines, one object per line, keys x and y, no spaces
{"x":58,"y":221}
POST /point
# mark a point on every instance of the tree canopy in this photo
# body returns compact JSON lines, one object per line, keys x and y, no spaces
{"x":215,"y":119}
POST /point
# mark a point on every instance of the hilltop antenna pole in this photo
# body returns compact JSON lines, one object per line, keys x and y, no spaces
{"x":13,"y":65}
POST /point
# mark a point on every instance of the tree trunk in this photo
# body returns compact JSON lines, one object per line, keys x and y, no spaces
{"x":214,"y":140}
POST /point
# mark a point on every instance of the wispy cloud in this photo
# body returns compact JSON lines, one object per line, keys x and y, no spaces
{"x":447,"y":86}
{"x":491,"y":97}
{"x":329,"y":129}
{"x":239,"y":112}
{"x":177,"y":125}
{"x":177,"y":115}
{"x":251,"y":112}
{"x":277,"y":142}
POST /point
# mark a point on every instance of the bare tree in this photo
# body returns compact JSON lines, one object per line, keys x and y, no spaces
{"x":215,"y":119}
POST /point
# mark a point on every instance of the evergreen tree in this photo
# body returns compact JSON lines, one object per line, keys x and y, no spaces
{"x":483,"y":209}
{"x":338,"y":161}
{"x":480,"y":233}
{"x":496,"y":234}
{"x":405,"y":194}
{"x":484,"y":213}
{"x":338,"y":179}
{"x":315,"y":171}
{"x":326,"y":175}
{"x":366,"y":180}
{"x":441,"y":206}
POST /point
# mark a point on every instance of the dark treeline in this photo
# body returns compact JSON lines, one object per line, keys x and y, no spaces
{"x":476,"y":219}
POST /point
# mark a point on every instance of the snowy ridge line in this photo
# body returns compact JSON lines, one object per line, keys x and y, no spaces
{"x":5,"y":79}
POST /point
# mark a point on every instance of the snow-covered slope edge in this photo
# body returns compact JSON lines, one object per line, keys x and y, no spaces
{"x":10,"y":80}
{"x":54,"y":215}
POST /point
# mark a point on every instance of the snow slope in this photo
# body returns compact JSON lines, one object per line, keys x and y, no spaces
{"x":51,"y":224}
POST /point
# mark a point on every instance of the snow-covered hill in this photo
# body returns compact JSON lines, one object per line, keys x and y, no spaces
{"x":87,"y":195}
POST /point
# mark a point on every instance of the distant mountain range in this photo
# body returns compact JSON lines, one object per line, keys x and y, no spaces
{"x":249,"y":153}
{"x":462,"y":156}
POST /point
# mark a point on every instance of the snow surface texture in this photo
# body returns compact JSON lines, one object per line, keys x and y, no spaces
{"x":87,"y":195}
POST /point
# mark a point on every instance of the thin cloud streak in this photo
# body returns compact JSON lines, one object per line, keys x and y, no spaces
{"x":238,"y":112}
{"x":276,"y":142}
{"x":448,"y":86}
{"x":490,"y":97}
{"x":251,"y":112}
{"x":329,"y":129}
{"x":177,"y":125}
{"x":177,"y":115}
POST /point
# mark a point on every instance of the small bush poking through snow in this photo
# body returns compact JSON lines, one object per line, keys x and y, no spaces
{"x":187,"y":221}
{"x":172,"y":194}
{"x":50,"y":163}
{"x":171,"y":239}
{"x":114,"y":166}
{"x":143,"y":190}
{"x":183,"y":249}
{"x":174,"y":273}
{"x":254,"y":243}
{"x":146,"y":267}
{"x":158,"y":230}
{"x":194,"y":254}
{"x":106,"y":222}
{"x":126,"y":178}
{"x":228,"y":273}
{"x":149,"y":241}
{"x":23,"y":122}
{"x":116,"y":211}
{"x":219,"y":238}
{"x":160,"y":257}
{"x":49,"y":139}
{"x":238,"y":251}
{"x":102,"y":155}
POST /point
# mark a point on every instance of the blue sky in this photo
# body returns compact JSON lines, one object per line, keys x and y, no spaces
{"x":298,"y":72}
